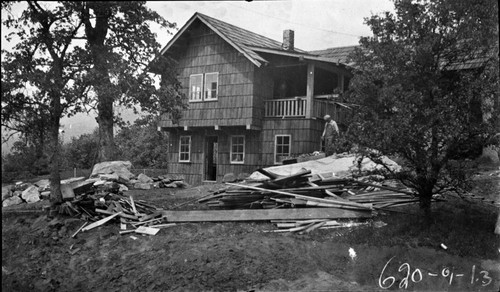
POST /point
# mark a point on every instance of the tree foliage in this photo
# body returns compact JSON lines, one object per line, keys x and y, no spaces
{"x":143,"y":145}
{"x":38,"y":82}
{"x":81,"y":152}
{"x":427,"y":83}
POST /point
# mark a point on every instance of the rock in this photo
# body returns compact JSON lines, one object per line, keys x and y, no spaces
{"x":142,"y":186}
{"x":99,"y":183}
{"x":6,"y":192}
{"x":166,"y":181}
{"x":45,"y":195}
{"x":120,"y":168}
{"x":31,"y":194}
{"x":14,"y":200}
{"x":43,"y":185}
{"x":144,"y":178}
{"x":109,"y":176}
{"x":181,"y":184}
{"x":229,"y":178}
{"x":176,"y":184}
{"x":243,"y":176}
{"x":122,"y":188}
{"x":21,"y":186}
{"x":489,"y":156}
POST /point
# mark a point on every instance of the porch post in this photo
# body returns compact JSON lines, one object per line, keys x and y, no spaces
{"x":341,"y":82}
{"x":310,"y":90}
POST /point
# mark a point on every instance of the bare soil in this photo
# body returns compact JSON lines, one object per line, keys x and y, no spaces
{"x":458,"y":252}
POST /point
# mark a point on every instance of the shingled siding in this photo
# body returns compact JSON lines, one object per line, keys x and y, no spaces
{"x":207,"y":52}
{"x":194,"y":171}
{"x":305,"y":136}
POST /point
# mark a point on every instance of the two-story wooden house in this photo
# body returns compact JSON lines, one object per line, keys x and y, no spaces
{"x":253,"y":101}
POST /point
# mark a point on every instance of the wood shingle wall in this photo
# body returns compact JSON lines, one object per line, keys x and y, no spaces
{"x":207,"y":52}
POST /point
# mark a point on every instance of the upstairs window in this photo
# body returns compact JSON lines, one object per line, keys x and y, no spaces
{"x":211,"y":85}
{"x":185,"y":149}
{"x":203,"y":87}
{"x":237,"y":149}
{"x":195,"y":87}
{"x":281,"y":148}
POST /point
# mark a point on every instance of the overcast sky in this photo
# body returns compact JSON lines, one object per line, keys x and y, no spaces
{"x":318,"y":24}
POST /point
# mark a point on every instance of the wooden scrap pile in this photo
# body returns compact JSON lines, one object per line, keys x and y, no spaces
{"x":305,"y":190}
{"x":97,"y":207}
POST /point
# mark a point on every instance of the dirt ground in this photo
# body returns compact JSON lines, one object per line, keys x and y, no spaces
{"x":38,"y":253}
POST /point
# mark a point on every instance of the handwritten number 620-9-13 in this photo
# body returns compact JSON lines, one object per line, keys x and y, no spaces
{"x":417,"y":276}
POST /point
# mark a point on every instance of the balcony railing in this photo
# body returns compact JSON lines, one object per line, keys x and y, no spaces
{"x":290,"y":107}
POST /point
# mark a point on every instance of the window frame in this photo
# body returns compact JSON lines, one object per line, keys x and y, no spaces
{"x":231,"y":150}
{"x":201,"y":88}
{"x":276,"y":146}
{"x":189,"y":149}
{"x":205,"y":90}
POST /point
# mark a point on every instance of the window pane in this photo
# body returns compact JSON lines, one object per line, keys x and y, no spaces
{"x":184,"y":148}
{"x":195,"y":84}
{"x":211,"y":82}
{"x":237,"y":148}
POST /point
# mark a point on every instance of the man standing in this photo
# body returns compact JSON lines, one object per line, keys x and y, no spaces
{"x":330,"y":132}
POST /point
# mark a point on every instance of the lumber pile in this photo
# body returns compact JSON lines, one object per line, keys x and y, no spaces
{"x":305,"y":190}
{"x":98,"y":207}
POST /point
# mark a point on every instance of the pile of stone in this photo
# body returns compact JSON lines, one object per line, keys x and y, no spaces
{"x":106,"y":176}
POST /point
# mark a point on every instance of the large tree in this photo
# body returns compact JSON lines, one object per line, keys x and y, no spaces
{"x":427,"y":83}
{"x":38,"y":81}
{"x":121,"y":45}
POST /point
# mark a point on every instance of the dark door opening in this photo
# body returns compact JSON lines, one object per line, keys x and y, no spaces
{"x":211,"y":154}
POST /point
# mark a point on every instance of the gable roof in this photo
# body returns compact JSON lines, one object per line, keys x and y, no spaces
{"x":241,"y":39}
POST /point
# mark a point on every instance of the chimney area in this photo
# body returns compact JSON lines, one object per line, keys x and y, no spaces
{"x":288,"y":40}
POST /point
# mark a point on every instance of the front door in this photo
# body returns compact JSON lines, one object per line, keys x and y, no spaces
{"x":211,"y":154}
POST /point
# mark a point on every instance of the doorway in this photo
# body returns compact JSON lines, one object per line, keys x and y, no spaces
{"x":211,"y":154}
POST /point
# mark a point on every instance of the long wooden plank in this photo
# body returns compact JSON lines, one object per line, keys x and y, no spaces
{"x":100,"y":222}
{"x":262,"y":214}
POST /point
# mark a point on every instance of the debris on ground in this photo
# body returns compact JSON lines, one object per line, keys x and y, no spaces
{"x":110,"y":174}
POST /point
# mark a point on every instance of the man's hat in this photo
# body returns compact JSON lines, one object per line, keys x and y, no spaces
{"x":326,"y":117}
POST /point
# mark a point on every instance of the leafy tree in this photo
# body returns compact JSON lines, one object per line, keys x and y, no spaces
{"x":427,"y":83}
{"x":36,"y":74}
{"x":81,"y":152}
{"x":143,"y":145}
{"x":120,"y":46}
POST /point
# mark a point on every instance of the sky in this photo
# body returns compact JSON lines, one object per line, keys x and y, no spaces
{"x":318,"y":24}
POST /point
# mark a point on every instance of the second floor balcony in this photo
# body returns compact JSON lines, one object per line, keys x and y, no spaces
{"x":301,"y":107}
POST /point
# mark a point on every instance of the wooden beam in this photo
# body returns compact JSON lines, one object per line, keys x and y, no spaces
{"x":262,"y":214}
{"x":100,"y":222}
{"x":309,"y":90}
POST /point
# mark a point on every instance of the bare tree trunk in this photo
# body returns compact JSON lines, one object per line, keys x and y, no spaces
{"x":55,"y":176}
{"x":107,"y":147}
{"x":96,"y":36}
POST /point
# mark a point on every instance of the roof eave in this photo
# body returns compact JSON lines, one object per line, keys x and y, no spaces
{"x":197,"y":16}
